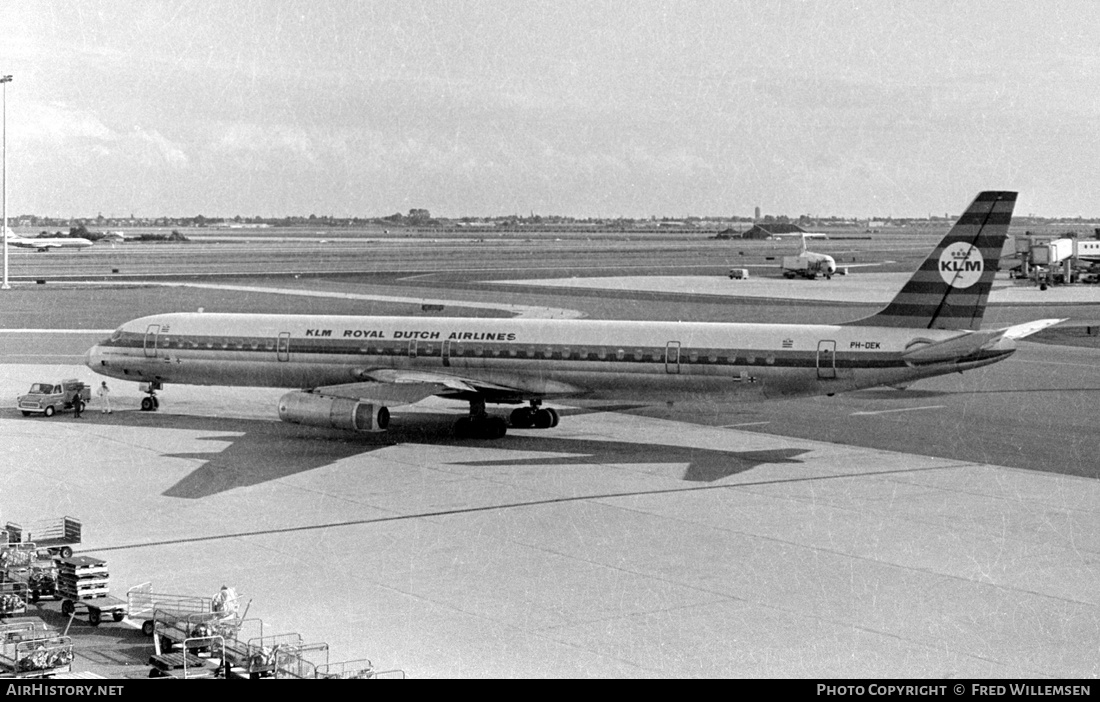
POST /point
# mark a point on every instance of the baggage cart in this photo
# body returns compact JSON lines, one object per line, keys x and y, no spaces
{"x":24,"y":628}
{"x":300,"y":662}
{"x":361,"y":669}
{"x":13,"y":599}
{"x":36,"y":657}
{"x":57,"y":536}
{"x":256,"y":657}
{"x":142,"y":603}
{"x":185,"y":664}
{"x":83,"y":582}
{"x":220,"y":615}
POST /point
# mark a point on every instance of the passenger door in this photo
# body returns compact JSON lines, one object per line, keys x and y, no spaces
{"x":826,"y":360}
{"x":151,"y":334}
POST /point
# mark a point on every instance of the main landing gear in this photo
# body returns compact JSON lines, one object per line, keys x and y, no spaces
{"x":481,"y":425}
{"x":528,"y":417}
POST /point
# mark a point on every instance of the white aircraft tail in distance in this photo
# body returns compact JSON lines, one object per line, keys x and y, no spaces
{"x":348,"y":371}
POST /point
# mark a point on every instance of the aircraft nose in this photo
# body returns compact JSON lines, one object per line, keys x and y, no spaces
{"x":91,"y":357}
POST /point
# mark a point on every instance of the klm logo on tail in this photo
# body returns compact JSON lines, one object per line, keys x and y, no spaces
{"x":951,"y":287}
{"x":961,"y":265}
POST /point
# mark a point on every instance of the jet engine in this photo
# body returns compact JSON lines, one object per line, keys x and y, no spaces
{"x":336,"y":412}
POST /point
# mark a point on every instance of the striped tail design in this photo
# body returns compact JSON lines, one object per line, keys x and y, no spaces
{"x":950,"y":289}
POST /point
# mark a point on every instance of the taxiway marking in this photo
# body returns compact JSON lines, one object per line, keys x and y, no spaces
{"x":900,"y":409}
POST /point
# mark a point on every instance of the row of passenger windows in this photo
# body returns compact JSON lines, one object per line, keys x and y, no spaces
{"x":464,"y":350}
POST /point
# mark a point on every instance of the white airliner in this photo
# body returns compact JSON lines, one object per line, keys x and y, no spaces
{"x":347,"y":371}
{"x":807,"y":263}
{"x":47,"y":243}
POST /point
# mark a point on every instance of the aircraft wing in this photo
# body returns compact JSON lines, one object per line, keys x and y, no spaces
{"x":402,"y":387}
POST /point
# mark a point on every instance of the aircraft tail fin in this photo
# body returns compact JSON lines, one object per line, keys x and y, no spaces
{"x":950,"y":289}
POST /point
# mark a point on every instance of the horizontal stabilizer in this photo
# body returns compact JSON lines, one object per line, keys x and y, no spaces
{"x":955,"y":347}
{"x":972,"y":342}
{"x":1028,"y":328}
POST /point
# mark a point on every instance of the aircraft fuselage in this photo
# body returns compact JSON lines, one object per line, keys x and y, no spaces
{"x":649,"y":361}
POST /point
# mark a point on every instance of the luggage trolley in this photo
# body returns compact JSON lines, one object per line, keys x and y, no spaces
{"x":83,"y":582}
{"x":58,"y":536}
{"x":300,"y":662}
{"x":221,"y":615}
{"x":361,"y":669}
{"x":36,"y":657}
{"x":256,"y":657}
{"x":185,"y":664}
{"x":142,"y":603}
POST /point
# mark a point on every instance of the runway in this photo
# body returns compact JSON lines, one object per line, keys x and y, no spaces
{"x":949,"y":530}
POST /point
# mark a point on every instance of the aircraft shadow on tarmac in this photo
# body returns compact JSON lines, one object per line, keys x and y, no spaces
{"x":263,"y":451}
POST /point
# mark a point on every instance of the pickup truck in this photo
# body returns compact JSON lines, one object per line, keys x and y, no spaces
{"x":48,"y":398}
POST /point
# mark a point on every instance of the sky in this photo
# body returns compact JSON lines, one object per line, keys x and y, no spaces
{"x":587,"y":109}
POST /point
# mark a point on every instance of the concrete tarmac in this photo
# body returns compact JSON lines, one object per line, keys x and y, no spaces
{"x":874,"y":534}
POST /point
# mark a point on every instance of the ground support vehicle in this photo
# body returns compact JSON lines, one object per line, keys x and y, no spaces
{"x":49,"y":398}
{"x":739,"y":274}
{"x":793,"y":266}
{"x":22,"y":563}
{"x":361,"y":669}
{"x":36,"y":657}
{"x":300,"y":662}
{"x":58,"y":536}
{"x":13,"y":599}
{"x":185,"y":664}
{"x":174,"y":623}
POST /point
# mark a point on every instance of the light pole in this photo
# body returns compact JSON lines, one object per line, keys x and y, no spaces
{"x":4,"y":80}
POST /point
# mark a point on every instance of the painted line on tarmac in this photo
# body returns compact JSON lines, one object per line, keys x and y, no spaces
{"x":57,"y":331}
{"x":519,"y":505}
{"x":900,"y":409}
{"x":746,"y":424}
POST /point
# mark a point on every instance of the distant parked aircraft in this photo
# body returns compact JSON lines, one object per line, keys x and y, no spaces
{"x":46,"y":243}
{"x":807,"y":263}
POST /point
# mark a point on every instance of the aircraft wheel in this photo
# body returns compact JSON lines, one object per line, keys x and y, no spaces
{"x":48,"y":411}
{"x":554,"y":418}
{"x":383,"y":418}
{"x":543,"y":419}
{"x":494,"y":428}
{"x":156,"y":404}
{"x":522,"y":418}
{"x":147,"y":404}
{"x":464,"y":428}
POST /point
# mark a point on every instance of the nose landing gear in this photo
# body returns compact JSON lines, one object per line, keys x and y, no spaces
{"x":150,"y":403}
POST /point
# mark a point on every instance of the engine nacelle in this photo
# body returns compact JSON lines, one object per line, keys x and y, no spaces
{"x":337,"y":412}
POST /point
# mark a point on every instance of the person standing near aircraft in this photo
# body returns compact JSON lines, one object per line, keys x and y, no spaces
{"x":104,"y":393}
{"x":78,"y":406}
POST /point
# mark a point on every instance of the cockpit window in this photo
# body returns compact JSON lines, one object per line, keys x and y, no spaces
{"x":117,"y":335}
